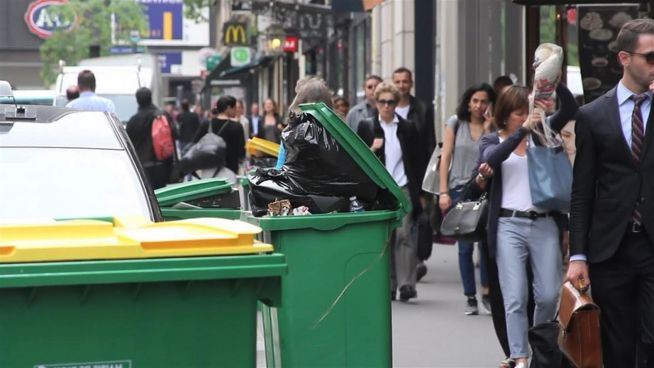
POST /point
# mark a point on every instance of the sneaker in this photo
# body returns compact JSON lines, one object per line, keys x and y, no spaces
{"x":421,"y":271}
{"x":471,"y":307}
{"x":407,"y":292}
{"x":485,"y":301}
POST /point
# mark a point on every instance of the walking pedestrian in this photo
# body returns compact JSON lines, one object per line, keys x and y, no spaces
{"x":139,"y":131}
{"x":72,"y":92}
{"x":232,"y":132}
{"x":612,"y":209}
{"x":87,"y":99}
{"x":189,"y":123}
{"x":518,"y":231}
{"x":395,"y":141}
{"x":341,"y":106}
{"x":254,"y":119}
{"x":270,"y":124}
{"x":366,"y":108}
{"x":459,"y":155}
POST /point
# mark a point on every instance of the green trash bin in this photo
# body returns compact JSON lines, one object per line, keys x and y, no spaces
{"x":98,"y":310}
{"x":336,"y":296}
{"x":212,"y":197}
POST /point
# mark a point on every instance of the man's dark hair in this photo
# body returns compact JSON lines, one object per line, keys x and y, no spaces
{"x":501,"y":82}
{"x":403,"y":70}
{"x":224,"y":103}
{"x":185,"y":105}
{"x":375,"y":77}
{"x":86,"y":80}
{"x":144,"y":97}
{"x":462,"y":111}
{"x":628,"y":36}
{"x":72,"y":92}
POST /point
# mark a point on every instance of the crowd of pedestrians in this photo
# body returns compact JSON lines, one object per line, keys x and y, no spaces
{"x":523,"y":255}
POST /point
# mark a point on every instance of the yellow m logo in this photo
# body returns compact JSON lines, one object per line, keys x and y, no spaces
{"x":234,"y":34}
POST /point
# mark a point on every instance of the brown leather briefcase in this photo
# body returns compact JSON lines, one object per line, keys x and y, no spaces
{"x":579,"y":336}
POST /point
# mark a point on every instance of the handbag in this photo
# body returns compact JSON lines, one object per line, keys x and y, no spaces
{"x":208,"y":152}
{"x":579,"y":338}
{"x":466,"y":220}
{"x":431,"y":180}
{"x":550,"y":177}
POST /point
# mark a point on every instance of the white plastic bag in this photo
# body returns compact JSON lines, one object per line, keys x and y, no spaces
{"x":548,"y":59}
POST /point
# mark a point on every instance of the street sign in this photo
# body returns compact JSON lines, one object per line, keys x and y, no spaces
{"x":42,"y":22}
{"x":290,"y":44}
{"x":134,"y":36}
{"x":235,"y":34}
{"x":240,"y":56}
{"x":212,"y":61}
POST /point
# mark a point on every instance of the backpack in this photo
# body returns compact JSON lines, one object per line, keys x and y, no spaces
{"x":162,"y":138}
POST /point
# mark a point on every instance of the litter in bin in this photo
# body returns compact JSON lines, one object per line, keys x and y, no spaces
{"x":318,"y":173}
{"x":279,"y":208}
{"x":300,"y":211}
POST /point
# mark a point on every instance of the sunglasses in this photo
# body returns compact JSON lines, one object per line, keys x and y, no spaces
{"x":387,"y":102}
{"x":649,"y":57}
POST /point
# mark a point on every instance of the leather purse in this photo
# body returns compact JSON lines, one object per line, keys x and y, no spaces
{"x":579,"y":337}
{"x":466,"y":220}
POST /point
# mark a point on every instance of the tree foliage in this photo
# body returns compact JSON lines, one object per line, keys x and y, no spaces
{"x":94,"y":24}
{"x":193,"y":9}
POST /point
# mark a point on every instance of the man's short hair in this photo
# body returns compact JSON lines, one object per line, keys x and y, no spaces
{"x":185,"y":105}
{"x":628,"y":37}
{"x":373,"y":76}
{"x":403,"y":70}
{"x":144,"y":96}
{"x":86,"y":80}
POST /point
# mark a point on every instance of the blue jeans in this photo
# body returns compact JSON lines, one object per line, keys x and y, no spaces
{"x":466,"y":265}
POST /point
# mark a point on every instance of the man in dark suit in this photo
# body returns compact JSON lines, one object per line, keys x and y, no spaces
{"x":254,"y":119}
{"x":612,"y":212}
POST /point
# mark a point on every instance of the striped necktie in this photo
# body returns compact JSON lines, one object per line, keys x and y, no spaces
{"x":637,"y":135}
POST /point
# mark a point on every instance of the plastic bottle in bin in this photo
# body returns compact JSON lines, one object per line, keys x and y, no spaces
{"x":356,"y":205}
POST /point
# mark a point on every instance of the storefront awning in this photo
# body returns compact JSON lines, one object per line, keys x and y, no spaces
{"x":260,"y":62}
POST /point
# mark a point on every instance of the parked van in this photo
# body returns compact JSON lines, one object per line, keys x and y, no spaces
{"x":117,"y":78}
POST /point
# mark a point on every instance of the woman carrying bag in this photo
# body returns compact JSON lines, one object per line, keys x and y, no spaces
{"x":518,"y":231}
{"x":459,"y":156}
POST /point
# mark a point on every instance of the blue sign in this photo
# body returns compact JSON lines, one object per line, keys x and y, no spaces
{"x":124,"y":49}
{"x":166,"y":59}
{"x":165,"y":18}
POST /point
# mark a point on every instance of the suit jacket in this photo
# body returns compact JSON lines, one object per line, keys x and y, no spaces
{"x":414,"y":163}
{"x":607,"y":184}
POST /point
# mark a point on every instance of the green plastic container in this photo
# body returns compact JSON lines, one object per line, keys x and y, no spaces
{"x":198,"y":198}
{"x":159,"y":312}
{"x":336,"y":296}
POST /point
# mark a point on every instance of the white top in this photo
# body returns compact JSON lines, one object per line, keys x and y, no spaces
{"x":393,"y":152}
{"x":626,"y":105}
{"x":403,"y":111}
{"x":516,"y":194}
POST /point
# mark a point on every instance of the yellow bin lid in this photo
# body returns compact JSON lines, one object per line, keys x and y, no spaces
{"x":255,"y":144}
{"x":126,"y":238}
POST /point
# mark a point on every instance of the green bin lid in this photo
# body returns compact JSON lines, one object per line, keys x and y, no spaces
{"x":188,"y":191}
{"x":358,"y":150}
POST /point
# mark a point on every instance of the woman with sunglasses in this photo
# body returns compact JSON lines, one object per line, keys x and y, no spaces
{"x":395,"y":141}
{"x":519,"y":233}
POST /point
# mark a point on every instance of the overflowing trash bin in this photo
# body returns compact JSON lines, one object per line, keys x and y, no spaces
{"x":199,"y":198}
{"x":132,"y":293}
{"x":335,"y":299}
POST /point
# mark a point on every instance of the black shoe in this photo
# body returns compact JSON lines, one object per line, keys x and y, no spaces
{"x":471,"y":307}
{"x":421,"y":271}
{"x":407,"y":292}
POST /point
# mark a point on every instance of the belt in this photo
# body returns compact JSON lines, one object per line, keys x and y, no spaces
{"x":635,"y":227}
{"x":532,"y":215}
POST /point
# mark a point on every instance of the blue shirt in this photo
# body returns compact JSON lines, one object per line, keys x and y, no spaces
{"x":626,"y":106}
{"x":90,"y":101}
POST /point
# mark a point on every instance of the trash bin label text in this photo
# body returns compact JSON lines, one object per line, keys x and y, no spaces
{"x":105,"y":364}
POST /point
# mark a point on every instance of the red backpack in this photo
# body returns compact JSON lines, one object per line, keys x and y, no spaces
{"x":162,"y":138}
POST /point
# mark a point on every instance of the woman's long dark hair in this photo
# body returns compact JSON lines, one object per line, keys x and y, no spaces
{"x":462,"y":111}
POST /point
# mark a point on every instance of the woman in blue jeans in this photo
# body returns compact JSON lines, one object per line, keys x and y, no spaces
{"x":459,"y":156}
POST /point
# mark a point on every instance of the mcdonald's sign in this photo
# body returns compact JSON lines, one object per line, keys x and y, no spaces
{"x":235,"y":34}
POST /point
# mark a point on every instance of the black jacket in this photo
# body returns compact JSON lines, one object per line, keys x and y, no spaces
{"x":412,"y":152}
{"x":423,"y":116}
{"x":607,"y":184}
{"x":189,"y":123}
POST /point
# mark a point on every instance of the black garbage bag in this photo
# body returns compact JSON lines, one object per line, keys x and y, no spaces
{"x":208,"y":153}
{"x":271,"y":185}
{"x":317,"y":164}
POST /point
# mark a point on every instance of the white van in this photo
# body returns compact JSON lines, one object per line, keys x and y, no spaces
{"x":116,"y":78}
